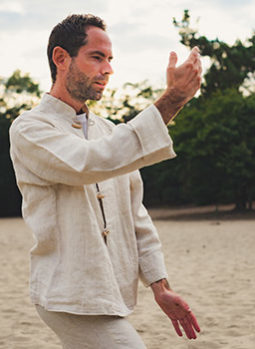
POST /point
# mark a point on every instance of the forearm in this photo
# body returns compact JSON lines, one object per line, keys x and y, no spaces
{"x":169,"y":106}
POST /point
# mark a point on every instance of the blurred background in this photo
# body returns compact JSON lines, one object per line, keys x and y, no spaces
{"x":214,"y":135}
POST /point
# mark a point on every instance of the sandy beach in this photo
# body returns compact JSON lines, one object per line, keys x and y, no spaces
{"x":211,"y":263}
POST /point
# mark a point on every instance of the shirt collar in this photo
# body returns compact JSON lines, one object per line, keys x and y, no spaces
{"x":64,"y":110}
{"x":82,"y":118}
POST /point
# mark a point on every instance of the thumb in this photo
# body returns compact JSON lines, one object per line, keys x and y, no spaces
{"x":171,"y":68}
{"x":172,"y":60}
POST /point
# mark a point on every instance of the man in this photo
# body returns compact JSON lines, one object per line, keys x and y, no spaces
{"x":82,"y":194}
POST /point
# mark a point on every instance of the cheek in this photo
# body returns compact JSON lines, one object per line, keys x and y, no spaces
{"x":90,"y":69}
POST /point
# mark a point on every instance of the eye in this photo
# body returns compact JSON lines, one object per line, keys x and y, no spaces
{"x":97,"y":58}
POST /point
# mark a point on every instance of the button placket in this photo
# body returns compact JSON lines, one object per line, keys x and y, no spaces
{"x":100,"y":197}
{"x":80,"y":121}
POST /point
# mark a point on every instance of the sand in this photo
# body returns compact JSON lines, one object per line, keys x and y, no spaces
{"x":211,"y":263}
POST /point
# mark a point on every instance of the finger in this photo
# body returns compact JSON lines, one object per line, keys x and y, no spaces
{"x":171,"y":67}
{"x":190,"y":328}
{"x":196,"y":50}
{"x":194,"y":78}
{"x":187,"y":328}
{"x":200,"y":70}
{"x":194,"y":321}
{"x":197,"y":62}
{"x":172,"y":60}
{"x":177,"y":327}
{"x":194,"y":54}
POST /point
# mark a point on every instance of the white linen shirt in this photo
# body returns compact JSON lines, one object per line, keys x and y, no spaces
{"x":72,"y":268}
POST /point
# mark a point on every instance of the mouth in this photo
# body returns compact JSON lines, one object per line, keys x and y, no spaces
{"x":101,"y":84}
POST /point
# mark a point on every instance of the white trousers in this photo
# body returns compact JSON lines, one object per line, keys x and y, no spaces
{"x":90,"y":331}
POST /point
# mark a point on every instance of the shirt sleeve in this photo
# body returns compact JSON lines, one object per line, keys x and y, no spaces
{"x":61,"y":157}
{"x":151,"y":260}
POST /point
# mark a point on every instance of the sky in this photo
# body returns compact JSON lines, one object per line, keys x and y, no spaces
{"x":141,"y":31}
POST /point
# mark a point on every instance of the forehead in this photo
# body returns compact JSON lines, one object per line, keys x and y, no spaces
{"x":97,"y":39}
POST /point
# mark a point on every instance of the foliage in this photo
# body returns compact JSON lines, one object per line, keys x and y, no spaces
{"x":19,"y":83}
{"x":17,"y":93}
{"x":121,"y":105}
{"x":214,"y":134}
{"x":215,"y":138}
{"x":231,"y":66}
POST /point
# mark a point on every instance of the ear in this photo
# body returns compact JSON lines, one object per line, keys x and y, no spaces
{"x":61,"y":58}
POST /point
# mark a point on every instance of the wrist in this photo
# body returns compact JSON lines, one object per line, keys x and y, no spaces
{"x":169,"y":104}
{"x":160,"y":286}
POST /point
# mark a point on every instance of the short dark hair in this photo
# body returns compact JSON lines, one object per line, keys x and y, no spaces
{"x":70,"y":34}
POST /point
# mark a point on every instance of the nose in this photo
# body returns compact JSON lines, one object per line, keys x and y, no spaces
{"x":107,"y":69}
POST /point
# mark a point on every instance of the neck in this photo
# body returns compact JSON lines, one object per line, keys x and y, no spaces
{"x":65,"y":97}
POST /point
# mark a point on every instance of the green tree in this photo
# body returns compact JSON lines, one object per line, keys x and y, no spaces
{"x":215,"y":139}
{"x":17,"y":93}
{"x":214,"y":134}
{"x":231,"y":66}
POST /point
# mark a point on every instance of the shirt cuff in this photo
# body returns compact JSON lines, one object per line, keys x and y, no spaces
{"x":152,"y":132}
{"x":152,"y":268}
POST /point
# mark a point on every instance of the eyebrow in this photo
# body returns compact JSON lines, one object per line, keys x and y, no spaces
{"x":100,"y":53}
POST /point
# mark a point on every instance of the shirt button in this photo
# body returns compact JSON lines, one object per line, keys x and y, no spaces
{"x":105,"y":233}
{"x":100,"y":196}
{"x":75,"y":125}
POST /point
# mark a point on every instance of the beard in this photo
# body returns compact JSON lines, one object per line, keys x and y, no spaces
{"x":79,"y":85}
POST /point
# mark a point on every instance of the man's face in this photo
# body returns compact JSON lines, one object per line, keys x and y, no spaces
{"x":89,"y":71}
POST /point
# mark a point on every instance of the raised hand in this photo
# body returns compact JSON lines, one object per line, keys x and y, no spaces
{"x":182,"y":84}
{"x":184,"y":81}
